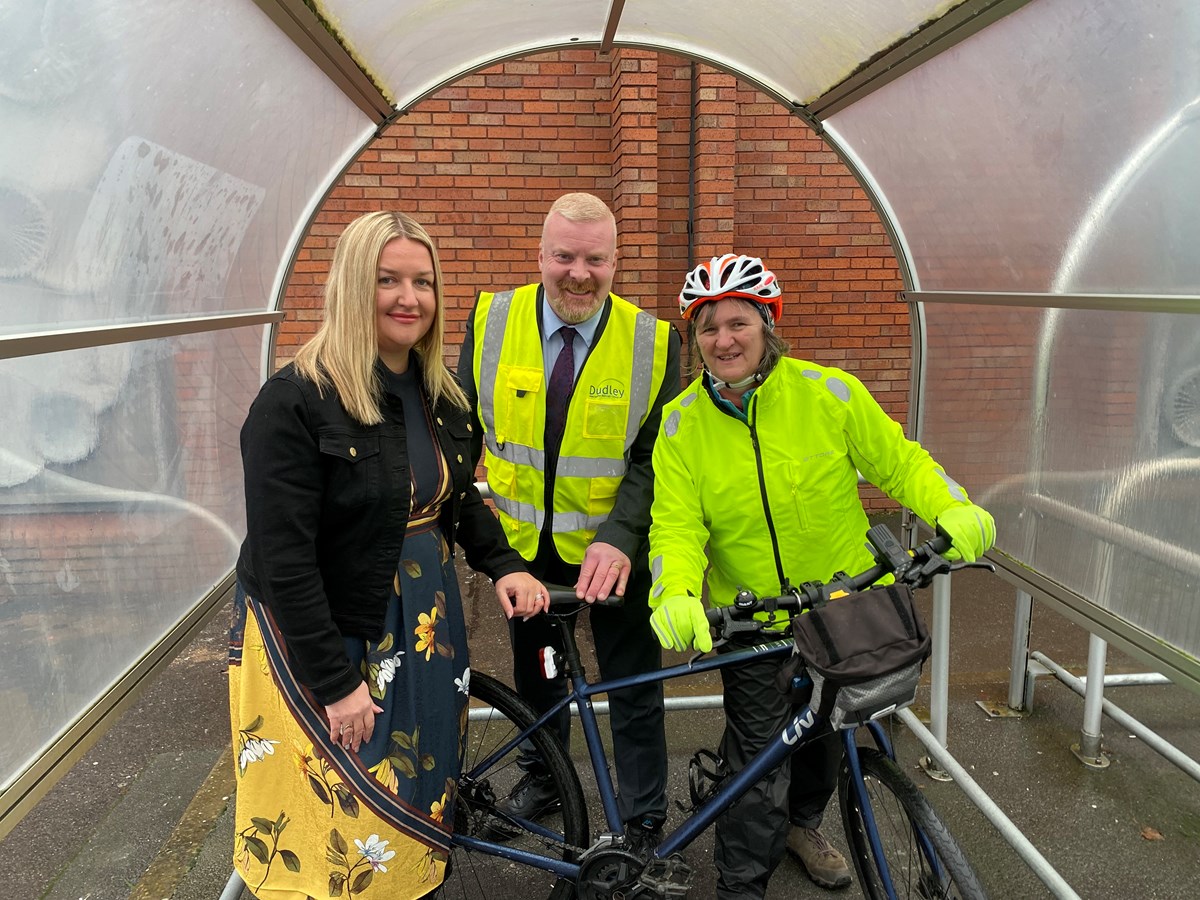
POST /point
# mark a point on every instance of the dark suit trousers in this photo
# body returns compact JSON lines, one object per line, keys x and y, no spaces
{"x":625,"y":645}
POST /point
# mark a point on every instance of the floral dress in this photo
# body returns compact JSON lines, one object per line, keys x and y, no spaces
{"x":316,"y":820}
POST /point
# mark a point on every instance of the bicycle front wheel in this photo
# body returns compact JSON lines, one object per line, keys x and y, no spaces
{"x":924,"y":861}
{"x":479,"y":810}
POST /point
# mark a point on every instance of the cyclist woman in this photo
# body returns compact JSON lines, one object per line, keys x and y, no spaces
{"x":756,"y":481}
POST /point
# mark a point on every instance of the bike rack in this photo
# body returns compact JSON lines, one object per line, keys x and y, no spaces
{"x":1166,"y":749}
{"x":1011,"y":833}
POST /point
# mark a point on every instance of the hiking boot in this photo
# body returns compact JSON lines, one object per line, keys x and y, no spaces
{"x":643,"y":835}
{"x":533,"y":797}
{"x":821,"y":860}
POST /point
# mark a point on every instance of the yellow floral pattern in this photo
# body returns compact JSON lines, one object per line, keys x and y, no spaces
{"x":312,"y":818}
{"x":426,"y":632}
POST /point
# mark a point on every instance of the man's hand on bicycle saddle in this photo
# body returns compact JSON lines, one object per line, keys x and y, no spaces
{"x":605,"y":572}
{"x":679,"y":624}
{"x":971,"y":530}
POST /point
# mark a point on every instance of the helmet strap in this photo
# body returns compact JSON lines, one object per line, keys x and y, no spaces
{"x":765,"y":312}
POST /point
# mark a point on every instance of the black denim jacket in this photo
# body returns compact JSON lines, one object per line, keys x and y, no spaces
{"x":327,"y":502}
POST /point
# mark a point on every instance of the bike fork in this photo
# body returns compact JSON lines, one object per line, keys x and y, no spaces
{"x":864,"y":804}
{"x":860,"y":789}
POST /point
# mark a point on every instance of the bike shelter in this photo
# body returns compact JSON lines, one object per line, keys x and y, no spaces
{"x":1032,"y":160}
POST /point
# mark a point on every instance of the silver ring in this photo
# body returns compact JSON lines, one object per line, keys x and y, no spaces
{"x":539,"y":596}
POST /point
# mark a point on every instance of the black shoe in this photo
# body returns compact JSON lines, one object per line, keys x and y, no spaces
{"x":643,"y":835}
{"x":533,"y":797}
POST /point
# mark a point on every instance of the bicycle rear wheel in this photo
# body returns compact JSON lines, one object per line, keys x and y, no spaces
{"x":923,"y":859}
{"x":478,"y":875}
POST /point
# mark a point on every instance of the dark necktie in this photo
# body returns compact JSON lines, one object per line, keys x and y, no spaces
{"x":558,"y":390}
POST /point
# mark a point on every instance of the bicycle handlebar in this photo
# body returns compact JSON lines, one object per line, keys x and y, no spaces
{"x":565,"y":596}
{"x":917,"y":570}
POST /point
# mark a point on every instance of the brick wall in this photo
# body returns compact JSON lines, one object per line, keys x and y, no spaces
{"x":479,"y":163}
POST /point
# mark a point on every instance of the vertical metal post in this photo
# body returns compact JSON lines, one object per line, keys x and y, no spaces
{"x":1088,"y":749}
{"x":939,"y":675}
{"x":939,"y":688}
{"x":1020,"y":685}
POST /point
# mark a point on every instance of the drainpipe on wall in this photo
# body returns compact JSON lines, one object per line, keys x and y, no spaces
{"x":691,"y":221}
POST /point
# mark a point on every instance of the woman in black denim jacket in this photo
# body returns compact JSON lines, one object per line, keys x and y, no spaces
{"x":359,"y":483}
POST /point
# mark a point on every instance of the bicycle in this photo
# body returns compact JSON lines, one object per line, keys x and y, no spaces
{"x":898,"y":844}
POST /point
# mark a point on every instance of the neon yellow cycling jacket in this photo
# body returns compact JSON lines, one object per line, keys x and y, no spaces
{"x":782,"y":484}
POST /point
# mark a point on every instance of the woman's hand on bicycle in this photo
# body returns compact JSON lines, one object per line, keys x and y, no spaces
{"x":971,"y":530}
{"x":679,"y":624}
{"x":521,"y":595}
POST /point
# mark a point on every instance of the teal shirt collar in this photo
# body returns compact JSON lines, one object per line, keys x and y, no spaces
{"x":728,"y":405}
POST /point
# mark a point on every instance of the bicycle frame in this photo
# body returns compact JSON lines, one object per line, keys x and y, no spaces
{"x":802,"y":727}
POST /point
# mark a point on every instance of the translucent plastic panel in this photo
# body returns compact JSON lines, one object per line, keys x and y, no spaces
{"x":151,"y":161}
{"x":120,"y":508}
{"x":414,"y":47}
{"x":798,"y":49}
{"x":1080,"y":431}
{"x":1053,"y":151}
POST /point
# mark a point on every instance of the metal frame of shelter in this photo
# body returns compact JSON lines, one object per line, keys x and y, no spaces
{"x":320,"y":42}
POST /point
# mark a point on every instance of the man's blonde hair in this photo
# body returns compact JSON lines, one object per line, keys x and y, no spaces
{"x":345,"y":348}
{"x":581,"y":207}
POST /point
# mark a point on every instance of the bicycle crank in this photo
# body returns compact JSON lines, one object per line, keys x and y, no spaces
{"x":620,"y":875}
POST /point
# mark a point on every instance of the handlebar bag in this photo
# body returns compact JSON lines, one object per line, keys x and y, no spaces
{"x":869,"y":646}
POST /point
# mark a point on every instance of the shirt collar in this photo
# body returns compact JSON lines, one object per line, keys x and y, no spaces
{"x":551,"y":322}
{"x":728,"y":405}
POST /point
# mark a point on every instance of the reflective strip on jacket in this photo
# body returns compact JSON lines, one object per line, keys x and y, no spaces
{"x":613,"y":393}
{"x":816,"y":428}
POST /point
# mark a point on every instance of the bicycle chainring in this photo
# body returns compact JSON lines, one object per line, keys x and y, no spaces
{"x":620,"y":875}
{"x":606,"y":874}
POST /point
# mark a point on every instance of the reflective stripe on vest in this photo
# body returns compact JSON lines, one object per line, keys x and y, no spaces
{"x":512,"y":411}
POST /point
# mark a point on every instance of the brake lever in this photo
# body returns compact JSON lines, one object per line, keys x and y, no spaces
{"x":922,"y":576}
{"x":726,"y":626}
{"x":938,"y":565}
{"x":979,"y":564}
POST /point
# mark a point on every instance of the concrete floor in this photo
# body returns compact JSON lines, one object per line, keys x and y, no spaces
{"x":147,"y":813}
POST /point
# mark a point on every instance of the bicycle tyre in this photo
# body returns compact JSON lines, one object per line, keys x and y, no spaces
{"x":472,"y":874}
{"x":900,"y":808}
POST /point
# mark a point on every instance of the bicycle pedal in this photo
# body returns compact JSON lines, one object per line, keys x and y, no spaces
{"x":669,"y":879}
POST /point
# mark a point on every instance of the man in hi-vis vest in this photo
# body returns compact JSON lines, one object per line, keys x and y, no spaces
{"x":568,"y":382}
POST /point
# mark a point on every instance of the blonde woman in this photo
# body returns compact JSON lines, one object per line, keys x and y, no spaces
{"x":348,"y":667}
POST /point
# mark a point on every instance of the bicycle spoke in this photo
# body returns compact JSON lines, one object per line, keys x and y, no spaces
{"x":923,"y":860}
{"x":557,"y":835}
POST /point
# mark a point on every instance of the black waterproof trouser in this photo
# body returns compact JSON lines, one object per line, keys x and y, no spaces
{"x":751,"y":835}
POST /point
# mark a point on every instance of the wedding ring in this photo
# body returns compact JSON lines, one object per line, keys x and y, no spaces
{"x":539,"y":596}
{"x":616,"y":564}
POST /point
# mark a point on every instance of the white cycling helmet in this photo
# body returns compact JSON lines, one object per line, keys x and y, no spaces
{"x":731,"y":275}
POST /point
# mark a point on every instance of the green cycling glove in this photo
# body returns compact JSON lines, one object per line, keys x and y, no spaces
{"x":679,"y":624}
{"x":971,"y":529}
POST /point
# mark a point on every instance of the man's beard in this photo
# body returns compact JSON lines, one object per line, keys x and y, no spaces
{"x":572,"y":310}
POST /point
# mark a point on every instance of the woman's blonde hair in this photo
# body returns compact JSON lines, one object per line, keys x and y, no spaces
{"x":343,"y":351}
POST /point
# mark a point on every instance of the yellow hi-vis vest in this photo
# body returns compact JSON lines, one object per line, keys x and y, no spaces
{"x":613,"y":394}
